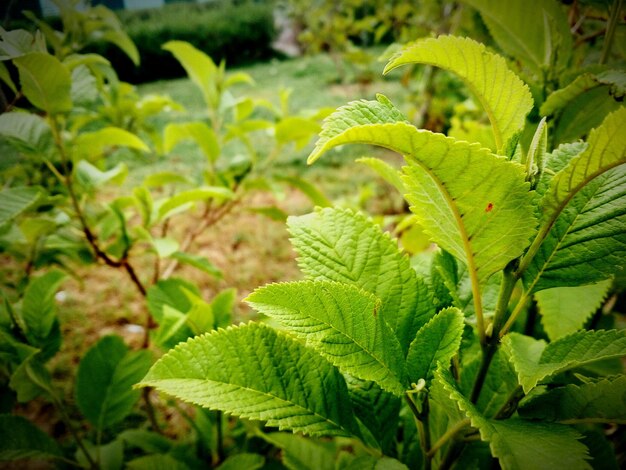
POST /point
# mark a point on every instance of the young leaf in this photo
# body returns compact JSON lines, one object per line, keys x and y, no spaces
{"x":203,"y":193}
{"x":17,"y":200}
{"x":45,"y":81}
{"x":584,"y":217}
{"x":104,"y":379}
{"x":198,"y":131}
{"x":484,"y":222}
{"x":20,"y":439}
{"x":28,"y":133}
{"x":198,"y":262}
{"x":39,"y":305}
{"x":535,"y":42}
{"x":535,"y":361}
{"x":564,"y":310}
{"x":92,"y":177}
{"x":171,"y":292}
{"x":505,"y":98}
{"x":93,"y":145}
{"x":343,"y":246}
{"x":254,"y":372}
{"x":341,"y":322}
{"x":511,"y":440}
{"x":602,"y":401}
{"x":436,"y":342}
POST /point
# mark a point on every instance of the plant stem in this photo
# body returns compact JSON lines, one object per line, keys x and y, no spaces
{"x":219,"y":419}
{"x":516,"y":311}
{"x":488,"y":352}
{"x":614,"y":17}
{"x":421,"y":421}
{"x":510,"y":405}
{"x":449,"y":434}
{"x":68,"y":422}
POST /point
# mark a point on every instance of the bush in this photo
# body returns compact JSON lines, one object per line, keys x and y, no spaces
{"x":238,"y":33}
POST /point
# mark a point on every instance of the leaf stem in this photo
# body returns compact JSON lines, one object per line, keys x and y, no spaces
{"x":449,"y":434}
{"x":421,"y":421}
{"x":614,"y":17}
{"x":516,"y":311}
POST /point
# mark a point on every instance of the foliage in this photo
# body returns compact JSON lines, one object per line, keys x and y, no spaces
{"x":509,"y":224}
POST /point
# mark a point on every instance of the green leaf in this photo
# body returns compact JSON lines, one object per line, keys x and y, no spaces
{"x":172,"y":292}
{"x":197,"y":131}
{"x":45,"y":81}
{"x":222,"y":305}
{"x":565,"y":310}
{"x":172,"y":204}
{"x":505,"y":98}
{"x":5,"y":77}
{"x":198,"y":262}
{"x":313,"y":193}
{"x":520,"y":444}
{"x":602,"y":401}
{"x":173,"y":328}
{"x":342,"y":323}
{"x":165,"y":177}
{"x":296,"y":129}
{"x":148,"y":441}
{"x":536,"y":362}
{"x":156,"y":462}
{"x":300,"y":453}
{"x":110,"y":456}
{"x":343,"y":246}
{"x":20,"y":439}
{"x":93,"y":145}
{"x":104,"y":379}
{"x":123,"y":41}
{"x":484,"y":222}
{"x":27,"y":132}
{"x":92,"y":177}
{"x":84,"y":90}
{"x":436,"y":342}
{"x":39,"y":305}
{"x":254,"y":372}
{"x":536,"y":42}
{"x":18,"y":42}
{"x":31,"y":379}
{"x":165,"y":247}
{"x":17,"y":200}
{"x":584,"y":215}
{"x":386,"y":172}
{"x":369,"y":462}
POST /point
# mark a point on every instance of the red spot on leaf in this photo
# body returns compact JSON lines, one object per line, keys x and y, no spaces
{"x":489,"y":207}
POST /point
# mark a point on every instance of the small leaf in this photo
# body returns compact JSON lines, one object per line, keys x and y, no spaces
{"x":300,"y":453}
{"x":93,"y":145}
{"x":172,"y":292}
{"x":28,"y":133}
{"x":535,"y":361}
{"x":197,"y":131}
{"x":39,"y":305}
{"x":295,"y":129}
{"x":170,"y":205}
{"x":20,"y":439}
{"x":253,"y":372}
{"x":564,"y":310}
{"x":199,"y":262}
{"x":17,"y":200}
{"x":342,"y":323}
{"x":156,"y":462}
{"x":386,"y":172}
{"x":308,"y":189}
{"x":104,"y":379}
{"x":92,"y":177}
{"x":505,"y":98}
{"x":5,"y":77}
{"x":123,"y":41}
{"x":45,"y":81}
{"x":435,"y":343}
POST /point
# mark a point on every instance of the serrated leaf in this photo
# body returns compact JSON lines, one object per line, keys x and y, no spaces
{"x":197,"y":131}
{"x":602,"y":401}
{"x":28,"y":133}
{"x":104,"y":379}
{"x":341,"y":322}
{"x":300,"y":453}
{"x":17,"y":200}
{"x":93,"y":145}
{"x":340,"y":245}
{"x":203,"y":193}
{"x":584,"y":216}
{"x":564,"y":310}
{"x":505,"y":98}
{"x":535,"y":42}
{"x":20,"y":439}
{"x":254,"y":372}
{"x":39,"y":305}
{"x":535,"y":361}
{"x":520,"y":444}
{"x":436,"y":342}
{"x":484,"y":222}
{"x":45,"y":81}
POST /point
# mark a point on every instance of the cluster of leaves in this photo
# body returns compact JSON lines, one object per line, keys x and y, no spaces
{"x":67,"y":114}
{"x":441,"y":360}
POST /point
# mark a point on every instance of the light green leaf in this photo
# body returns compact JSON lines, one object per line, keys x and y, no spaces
{"x":173,"y":204}
{"x":165,"y":247}
{"x":17,"y":200}
{"x":436,"y":342}
{"x":537,"y":38}
{"x":172,"y":292}
{"x":520,"y":444}
{"x":93,"y":145}
{"x":296,"y":129}
{"x":300,"y":453}
{"x":474,"y":204}
{"x":84,"y":89}
{"x":271,"y":212}
{"x":314,"y":194}
{"x":92,"y":177}
{"x":18,"y":42}
{"x":238,"y":77}
{"x":39,"y":305}
{"x":110,"y":456}
{"x":385,"y":171}
{"x":197,"y":131}
{"x":28,"y":133}
{"x":535,"y":361}
{"x":20,"y":439}
{"x":582,"y":238}
{"x":165,"y":177}
{"x":148,"y":441}
{"x":123,"y":41}
{"x":173,"y":328}
{"x":156,"y":462}
{"x":505,"y":98}
{"x":602,"y":401}
{"x":341,"y":322}
{"x":564,"y":310}
{"x":199,"y":262}
{"x":201,"y":69}
{"x":31,"y":379}
{"x":5,"y":77}
{"x":254,"y":372}
{"x":369,"y":462}
{"x":343,"y":246}
{"x":45,"y":81}
{"x":104,"y":379}
{"x":222,"y":305}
